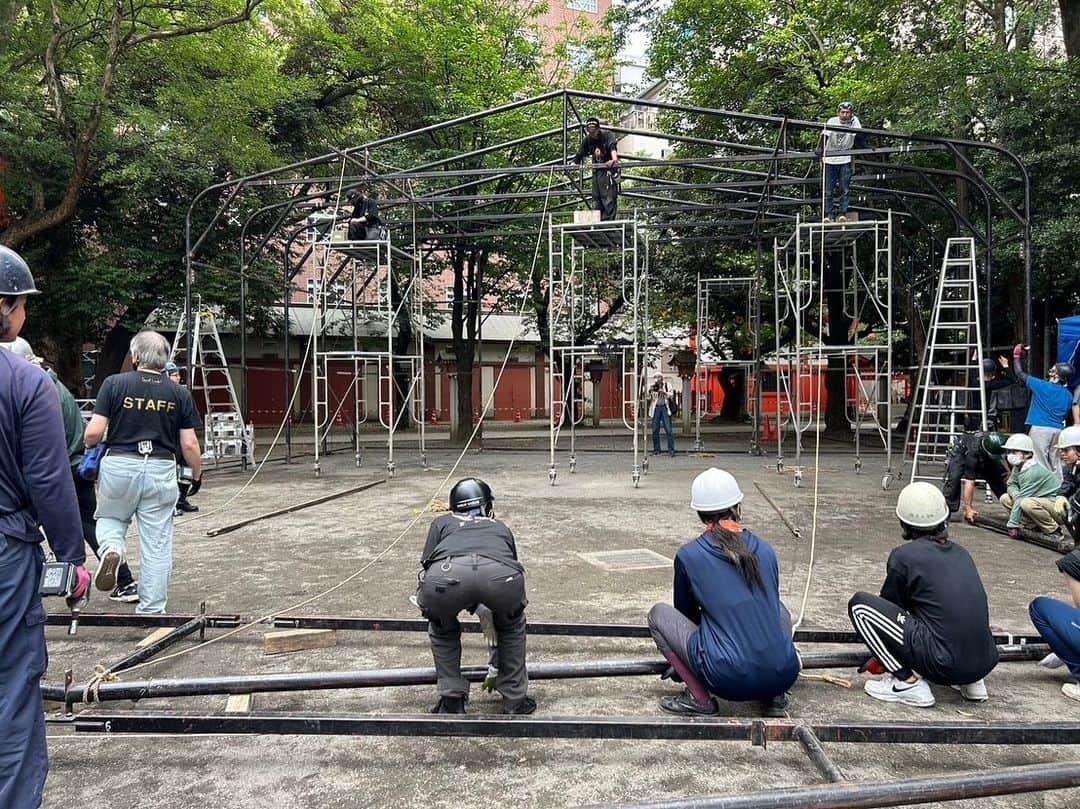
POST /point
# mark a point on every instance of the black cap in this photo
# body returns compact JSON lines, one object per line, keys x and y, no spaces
{"x":15,"y":277}
{"x":1069,"y":564}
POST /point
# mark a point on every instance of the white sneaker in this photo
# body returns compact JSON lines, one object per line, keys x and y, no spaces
{"x":1051,"y":661}
{"x":889,"y":689}
{"x":974,"y":692}
{"x":1071,"y":690}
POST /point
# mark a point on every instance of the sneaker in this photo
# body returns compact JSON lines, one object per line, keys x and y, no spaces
{"x":684,"y":704}
{"x":184,"y":506}
{"x":777,"y":707}
{"x":973,"y":692}
{"x":1051,"y":661}
{"x":105,"y":577}
{"x":449,"y":705}
{"x":522,"y":707}
{"x":889,"y":689}
{"x":841,"y":218}
{"x":129,"y":594}
{"x":1071,"y":690}
{"x":827,"y":219}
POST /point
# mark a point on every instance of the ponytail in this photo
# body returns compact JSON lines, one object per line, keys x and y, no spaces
{"x":733,"y":545}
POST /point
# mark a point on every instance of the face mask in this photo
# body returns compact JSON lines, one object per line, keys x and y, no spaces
{"x":1014,"y":458}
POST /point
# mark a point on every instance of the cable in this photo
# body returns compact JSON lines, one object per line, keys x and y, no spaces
{"x":476,"y":429}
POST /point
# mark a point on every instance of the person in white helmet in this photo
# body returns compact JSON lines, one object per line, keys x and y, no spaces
{"x":1030,"y":491}
{"x":931,"y":616}
{"x":1067,"y":502}
{"x":728,"y":634}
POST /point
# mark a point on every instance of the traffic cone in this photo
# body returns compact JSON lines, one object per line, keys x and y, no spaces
{"x":517,"y":417}
{"x":767,"y":432}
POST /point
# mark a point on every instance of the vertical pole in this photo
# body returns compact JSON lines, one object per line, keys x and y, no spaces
{"x":550,"y":374}
{"x":243,"y":358}
{"x":287,"y":414}
{"x":755,"y":291}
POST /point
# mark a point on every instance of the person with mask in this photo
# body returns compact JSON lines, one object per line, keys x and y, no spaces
{"x":728,"y":634}
{"x":470,"y":559}
{"x":1030,"y":490}
{"x":1067,"y":502}
{"x":1050,"y":403}
{"x":1059,"y":624}
{"x":931,"y":616}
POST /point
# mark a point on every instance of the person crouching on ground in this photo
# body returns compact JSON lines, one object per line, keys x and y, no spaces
{"x":470,"y":559}
{"x":1067,"y":502}
{"x":728,"y":634}
{"x":931,"y":616}
{"x":1059,"y":624}
{"x":1030,"y":491}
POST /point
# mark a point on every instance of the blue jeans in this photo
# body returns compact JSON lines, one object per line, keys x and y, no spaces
{"x":146,"y":490}
{"x":837,"y":177}
{"x":662,"y":416}
{"x":23,"y":757}
{"x":1059,"y":624}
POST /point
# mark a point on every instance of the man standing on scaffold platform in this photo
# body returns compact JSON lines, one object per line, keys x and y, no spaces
{"x":604,"y":150}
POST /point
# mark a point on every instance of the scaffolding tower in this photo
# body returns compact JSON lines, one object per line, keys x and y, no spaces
{"x":866,"y":288}
{"x":708,"y":290}
{"x":353,"y":290}
{"x":951,"y":384}
{"x":569,"y":243}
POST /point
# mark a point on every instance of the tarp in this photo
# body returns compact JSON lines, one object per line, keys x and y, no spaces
{"x":1069,"y":345}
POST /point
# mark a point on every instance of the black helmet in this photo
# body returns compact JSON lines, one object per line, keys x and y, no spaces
{"x":989,"y":366}
{"x":15,"y":277}
{"x":993,"y":444}
{"x":470,"y":493}
{"x":1064,"y":371}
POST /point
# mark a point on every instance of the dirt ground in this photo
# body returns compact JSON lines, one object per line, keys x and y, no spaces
{"x":273,"y":564}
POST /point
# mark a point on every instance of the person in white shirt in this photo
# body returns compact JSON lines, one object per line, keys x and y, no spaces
{"x":840,"y":137}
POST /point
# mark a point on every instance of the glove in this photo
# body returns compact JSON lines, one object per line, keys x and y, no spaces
{"x":671,"y":674}
{"x":91,"y":462}
{"x":1018,"y":351}
{"x":1061,"y":508}
{"x":82,"y":582}
{"x":1014,"y":533}
{"x":872,"y":666}
{"x":493,"y":670}
{"x":194,"y":486}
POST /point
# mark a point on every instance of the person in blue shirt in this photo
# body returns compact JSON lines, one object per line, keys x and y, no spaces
{"x":728,"y":634}
{"x":1050,"y":403}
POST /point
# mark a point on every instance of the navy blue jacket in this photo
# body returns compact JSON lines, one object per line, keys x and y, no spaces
{"x":742,"y":648}
{"x":35,"y":476}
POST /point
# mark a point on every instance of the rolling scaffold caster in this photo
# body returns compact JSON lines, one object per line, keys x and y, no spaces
{"x":645,"y":466}
{"x":423,"y":460}
{"x":636,"y":476}
{"x":699,"y":446}
{"x":885,"y":481}
{"x":318,"y":470}
{"x":989,"y":494}
{"x":858,"y":466}
{"x":573,"y":463}
{"x":358,"y":459}
{"x":552,"y":474}
{"x":779,"y":466}
{"x":390,"y":469}
{"x":798,"y":478}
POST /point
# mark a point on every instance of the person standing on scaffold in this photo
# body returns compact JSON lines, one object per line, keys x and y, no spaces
{"x":840,"y":137}
{"x":604,"y":150}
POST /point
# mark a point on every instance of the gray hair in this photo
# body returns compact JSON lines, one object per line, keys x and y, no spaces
{"x":151,"y":348}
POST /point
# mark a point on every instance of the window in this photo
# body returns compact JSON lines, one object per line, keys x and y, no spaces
{"x":336,"y":294}
{"x":578,"y":57}
{"x":583,"y":5}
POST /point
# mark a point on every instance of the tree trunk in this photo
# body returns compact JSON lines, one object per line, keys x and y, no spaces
{"x":113,"y":354}
{"x":1070,"y":26}
{"x":836,"y":421}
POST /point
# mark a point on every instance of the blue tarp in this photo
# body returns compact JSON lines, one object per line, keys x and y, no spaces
{"x":1069,"y":345}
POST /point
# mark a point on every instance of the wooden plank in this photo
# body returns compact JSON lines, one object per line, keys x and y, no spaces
{"x":298,"y":640}
{"x":239,"y":703}
{"x":154,"y":636}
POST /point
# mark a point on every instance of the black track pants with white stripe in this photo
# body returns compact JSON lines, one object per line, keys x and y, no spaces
{"x":880,"y":624}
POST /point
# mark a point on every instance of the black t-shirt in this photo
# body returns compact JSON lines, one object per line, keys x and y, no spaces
{"x":938,"y":584}
{"x":459,"y":535}
{"x":599,"y":148}
{"x":145,"y":406}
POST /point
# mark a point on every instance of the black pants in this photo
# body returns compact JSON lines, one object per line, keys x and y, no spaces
{"x":360,"y":231}
{"x":84,"y":492}
{"x":880,"y":624}
{"x":960,"y":468}
{"x":461,"y":582}
{"x":605,"y":194}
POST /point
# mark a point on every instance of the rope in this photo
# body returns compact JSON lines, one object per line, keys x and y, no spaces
{"x":430,"y":503}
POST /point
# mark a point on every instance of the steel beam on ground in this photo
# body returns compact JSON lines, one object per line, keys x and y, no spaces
{"x":146,"y":652}
{"x":386,"y":678}
{"x":142,"y":621}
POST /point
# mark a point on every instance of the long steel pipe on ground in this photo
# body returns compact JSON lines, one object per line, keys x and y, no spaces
{"x":909,"y":791}
{"x":383,"y":678}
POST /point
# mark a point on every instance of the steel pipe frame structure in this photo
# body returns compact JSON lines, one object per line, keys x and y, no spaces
{"x":1011,"y":203}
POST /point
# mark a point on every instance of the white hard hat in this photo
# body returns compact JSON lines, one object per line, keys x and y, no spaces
{"x":1021,"y":442}
{"x":21,"y":347}
{"x":922,"y":505}
{"x":714,"y":490}
{"x":1069,"y":437}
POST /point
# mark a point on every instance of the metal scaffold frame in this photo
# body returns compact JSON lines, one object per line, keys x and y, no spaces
{"x":365,"y":265}
{"x":568,"y":243}
{"x":798,"y":277}
{"x":707,"y":288}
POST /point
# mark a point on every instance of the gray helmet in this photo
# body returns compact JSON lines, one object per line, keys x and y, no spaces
{"x":1064,"y":371}
{"x":847,"y":106}
{"x":15,"y":277}
{"x":170,"y":368}
{"x":470,"y":493}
